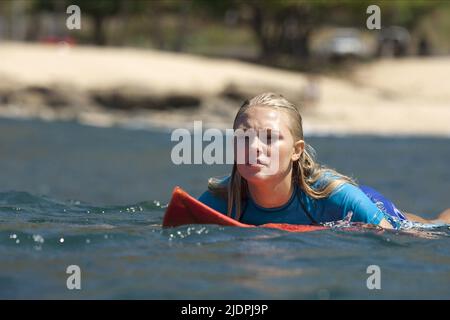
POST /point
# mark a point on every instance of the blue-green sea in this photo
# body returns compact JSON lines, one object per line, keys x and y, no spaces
{"x":95,"y":197}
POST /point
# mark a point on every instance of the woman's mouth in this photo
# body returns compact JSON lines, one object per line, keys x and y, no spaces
{"x":259,"y":163}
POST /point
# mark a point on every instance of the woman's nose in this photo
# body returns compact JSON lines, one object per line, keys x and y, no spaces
{"x":257,"y":145}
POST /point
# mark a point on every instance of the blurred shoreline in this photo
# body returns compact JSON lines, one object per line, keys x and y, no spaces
{"x":146,"y":88}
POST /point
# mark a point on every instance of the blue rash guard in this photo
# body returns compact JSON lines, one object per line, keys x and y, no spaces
{"x":364,"y":202}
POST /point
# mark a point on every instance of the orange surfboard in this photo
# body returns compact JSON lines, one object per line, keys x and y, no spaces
{"x":184,"y":209}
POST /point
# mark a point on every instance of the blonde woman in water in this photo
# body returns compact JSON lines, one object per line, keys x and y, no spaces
{"x":300,"y":190}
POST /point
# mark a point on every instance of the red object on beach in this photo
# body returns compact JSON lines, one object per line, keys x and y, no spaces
{"x":184,"y":209}
{"x":59,"y":40}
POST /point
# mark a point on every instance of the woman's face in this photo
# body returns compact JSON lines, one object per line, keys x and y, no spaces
{"x":270,"y":148}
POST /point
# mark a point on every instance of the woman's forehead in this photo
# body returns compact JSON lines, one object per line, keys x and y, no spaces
{"x":263,"y":118}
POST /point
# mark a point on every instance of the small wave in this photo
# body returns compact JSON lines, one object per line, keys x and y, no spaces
{"x":20,"y":201}
{"x":25,"y":211}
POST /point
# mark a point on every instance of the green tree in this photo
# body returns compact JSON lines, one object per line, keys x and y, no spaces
{"x":99,"y":10}
{"x":285,"y":26}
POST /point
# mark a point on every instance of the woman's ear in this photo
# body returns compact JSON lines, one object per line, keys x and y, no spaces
{"x":299,"y":147}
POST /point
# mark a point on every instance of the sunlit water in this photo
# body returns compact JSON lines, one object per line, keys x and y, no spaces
{"x":121,"y":180}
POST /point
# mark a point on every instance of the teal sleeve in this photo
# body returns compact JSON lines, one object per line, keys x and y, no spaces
{"x":350,"y":198}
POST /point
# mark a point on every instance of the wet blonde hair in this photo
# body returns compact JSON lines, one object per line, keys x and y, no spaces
{"x":305,"y":171}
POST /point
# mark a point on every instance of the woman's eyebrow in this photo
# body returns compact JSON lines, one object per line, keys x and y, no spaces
{"x":245,"y":127}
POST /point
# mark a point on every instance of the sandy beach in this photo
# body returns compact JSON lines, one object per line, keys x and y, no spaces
{"x":388,"y":97}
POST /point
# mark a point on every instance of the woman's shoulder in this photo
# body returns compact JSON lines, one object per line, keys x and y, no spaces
{"x":324,"y":180}
{"x":343,"y":191}
{"x":210,"y":196}
{"x":214,"y":201}
{"x":346,"y":190}
{"x":213,"y":197}
{"x":218,"y":182}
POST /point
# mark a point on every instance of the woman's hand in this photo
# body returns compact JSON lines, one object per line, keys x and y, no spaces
{"x":385,"y":224}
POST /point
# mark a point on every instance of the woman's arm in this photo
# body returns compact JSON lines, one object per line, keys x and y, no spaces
{"x":350,"y":198}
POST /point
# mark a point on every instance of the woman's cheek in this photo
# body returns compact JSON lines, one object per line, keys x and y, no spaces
{"x":277,"y":154}
{"x":279,"y":151}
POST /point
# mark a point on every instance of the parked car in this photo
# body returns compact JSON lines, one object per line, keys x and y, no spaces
{"x":344,"y":43}
{"x":393,"y":41}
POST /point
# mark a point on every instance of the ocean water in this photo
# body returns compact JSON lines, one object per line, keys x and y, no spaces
{"x":95,"y":197}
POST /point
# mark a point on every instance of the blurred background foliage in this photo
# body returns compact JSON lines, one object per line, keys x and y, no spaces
{"x":296,"y":34}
